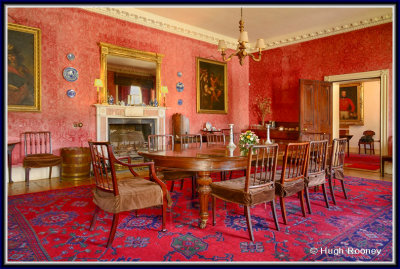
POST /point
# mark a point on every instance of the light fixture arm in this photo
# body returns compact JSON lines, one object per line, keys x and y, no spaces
{"x":254,"y":57}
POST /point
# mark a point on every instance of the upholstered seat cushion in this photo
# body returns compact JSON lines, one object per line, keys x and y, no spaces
{"x":338,"y":173}
{"x":41,"y":160}
{"x":233,"y":191}
{"x":134,"y":193}
{"x":289,"y":188}
{"x":315,"y":179}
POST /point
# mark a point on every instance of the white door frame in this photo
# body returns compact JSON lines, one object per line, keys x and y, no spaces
{"x":383,"y":76}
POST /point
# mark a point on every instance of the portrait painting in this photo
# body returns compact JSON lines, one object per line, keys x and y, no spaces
{"x":23,"y":75}
{"x":351,"y":104}
{"x":212,"y":95}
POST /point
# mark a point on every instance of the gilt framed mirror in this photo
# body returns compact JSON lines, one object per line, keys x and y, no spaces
{"x":129,"y":75}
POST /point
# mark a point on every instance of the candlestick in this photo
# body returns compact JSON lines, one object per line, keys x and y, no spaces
{"x":231,"y":145}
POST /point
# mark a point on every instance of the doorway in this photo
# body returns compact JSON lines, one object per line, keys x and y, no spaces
{"x":382,"y":77}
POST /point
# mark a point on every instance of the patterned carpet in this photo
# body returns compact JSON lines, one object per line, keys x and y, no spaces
{"x":54,"y":226}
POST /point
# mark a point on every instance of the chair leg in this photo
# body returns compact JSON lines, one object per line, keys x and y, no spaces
{"x":331,"y":188}
{"x":248,"y":220}
{"x":308,"y":200}
{"x":172,"y":186}
{"x":213,"y":204}
{"x":182,"y":184}
{"x":164,"y":214}
{"x":93,"y":222}
{"x":283,"y":209}
{"x":113,"y":229}
{"x":344,"y":189}
{"x":303,"y":207}
{"x":274,"y":214}
{"x":193,"y":186}
{"x":325,"y":196}
{"x":27,"y":170}
{"x":51,"y":167}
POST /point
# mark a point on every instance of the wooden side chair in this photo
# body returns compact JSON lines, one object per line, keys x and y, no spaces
{"x":38,"y":153}
{"x":115,"y":193}
{"x":255,"y":188}
{"x":291,"y":178}
{"x":315,"y":173}
{"x":166,"y":142}
{"x":216,"y":139}
{"x":191,"y":140}
{"x":335,"y":168}
{"x":367,"y":141}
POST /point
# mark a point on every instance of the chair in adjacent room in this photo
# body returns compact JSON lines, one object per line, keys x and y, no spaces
{"x":290,"y":180}
{"x":315,"y":173}
{"x":38,"y":153}
{"x":367,"y":140}
{"x":166,"y":142}
{"x":117,"y":193}
{"x":335,"y":167}
{"x":253,"y":189}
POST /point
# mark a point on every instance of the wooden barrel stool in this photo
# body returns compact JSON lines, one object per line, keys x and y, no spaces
{"x":75,"y":163}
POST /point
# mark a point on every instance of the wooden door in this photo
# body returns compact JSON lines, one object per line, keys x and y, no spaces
{"x":315,"y":108}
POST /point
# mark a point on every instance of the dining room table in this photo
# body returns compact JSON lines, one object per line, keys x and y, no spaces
{"x":204,"y":160}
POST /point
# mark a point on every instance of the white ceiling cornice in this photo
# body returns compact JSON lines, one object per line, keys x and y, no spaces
{"x":172,"y":26}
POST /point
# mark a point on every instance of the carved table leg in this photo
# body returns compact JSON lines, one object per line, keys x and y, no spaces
{"x":204,"y":180}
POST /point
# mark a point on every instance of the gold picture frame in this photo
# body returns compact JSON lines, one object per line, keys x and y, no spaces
{"x":351,"y":104}
{"x":24,"y":68}
{"x":212,"y":88}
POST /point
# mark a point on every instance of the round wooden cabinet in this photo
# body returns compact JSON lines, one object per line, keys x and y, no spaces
{"x":75,"y":163}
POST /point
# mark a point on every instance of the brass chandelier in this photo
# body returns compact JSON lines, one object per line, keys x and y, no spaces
{"x":241,"y":52}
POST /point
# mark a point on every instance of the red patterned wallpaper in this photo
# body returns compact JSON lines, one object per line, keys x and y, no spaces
{"x":278,"y":73}
{"x":66,"y":30}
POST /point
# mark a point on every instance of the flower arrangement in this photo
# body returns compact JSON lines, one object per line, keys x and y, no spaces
{"x":248,"y":138}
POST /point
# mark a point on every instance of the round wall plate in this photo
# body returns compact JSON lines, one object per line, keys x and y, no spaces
{"x":179,"y":74}
{"x":70,"y":74}
{"x":71,"y":93}
{"x":180,"y":102}
{"x":70,"y":56}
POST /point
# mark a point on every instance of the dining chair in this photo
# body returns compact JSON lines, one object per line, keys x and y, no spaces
{"x":120,"y":193}
{"x":166,"y":142}
{"x":191,"y":140}
{"x":315,"y":173}
{"x":290,"y":180}
{"x":253,"y":189}
{"x":38,"y":153}
{"x":217,"y":139}
{"x":336,"y":163}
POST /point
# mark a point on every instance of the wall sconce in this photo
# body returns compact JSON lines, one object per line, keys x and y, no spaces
{"x":98,"y":83}
{"x":164,"y":90}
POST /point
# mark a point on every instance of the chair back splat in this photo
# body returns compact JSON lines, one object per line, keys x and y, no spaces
{"x":160,"y":142}
{"x":215,"y":139}
{"x":191,"y":140}
{"x":294,"y":161}
{"x":37,"y":143}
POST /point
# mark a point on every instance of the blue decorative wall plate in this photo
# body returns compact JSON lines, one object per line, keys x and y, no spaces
{"x":179,"y":74}
{"x":71,"y":93}
{"x":180,"y":102}
{"x":180,"y":86}
{"x":70,"y":74}
{"x":70,"y":56}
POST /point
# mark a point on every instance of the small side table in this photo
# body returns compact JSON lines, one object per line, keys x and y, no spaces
{"x":348,"y":137}
{"x":10,"y":147}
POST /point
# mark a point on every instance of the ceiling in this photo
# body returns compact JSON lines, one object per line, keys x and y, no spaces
{"x":268,"y":22}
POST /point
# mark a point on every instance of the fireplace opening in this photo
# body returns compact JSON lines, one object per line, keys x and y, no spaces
{"x":128,"y":136}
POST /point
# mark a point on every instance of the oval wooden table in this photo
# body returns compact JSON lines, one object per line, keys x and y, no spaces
{"x":204,"y":161}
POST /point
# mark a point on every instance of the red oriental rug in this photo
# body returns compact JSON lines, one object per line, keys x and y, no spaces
{"x":363,"y":161}
{"x":53,"y":226}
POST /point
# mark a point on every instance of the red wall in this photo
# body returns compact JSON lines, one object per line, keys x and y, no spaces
{"x":277,"y":75}
{"x":66,"y":30}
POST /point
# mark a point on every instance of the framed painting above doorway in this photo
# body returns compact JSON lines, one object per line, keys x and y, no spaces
{"x":212,"y":90}
{"x":351,"y":104}
{"x":23,"y":68}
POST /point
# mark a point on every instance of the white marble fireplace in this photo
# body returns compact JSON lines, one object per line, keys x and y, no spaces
{"x":105,"y":112}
